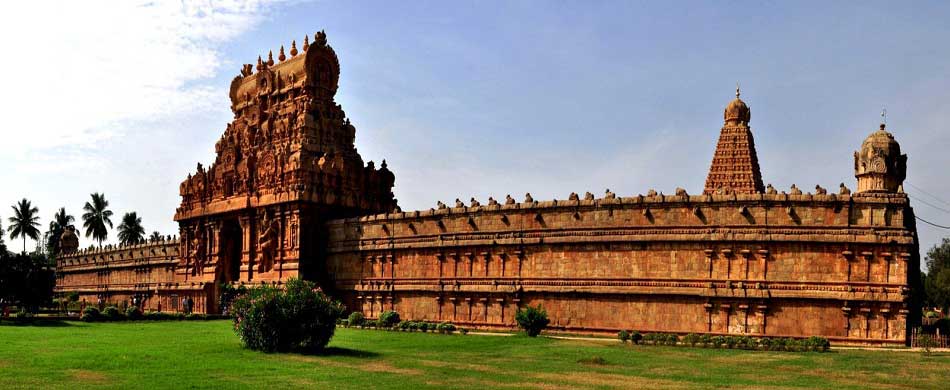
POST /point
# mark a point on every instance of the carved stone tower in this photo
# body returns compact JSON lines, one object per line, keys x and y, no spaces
{"x":879,"y":165}
{"x":735,"y":166}
{"x":285,"y":165}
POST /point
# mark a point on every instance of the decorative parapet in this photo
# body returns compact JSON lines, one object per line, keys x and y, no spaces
{"x":167,"y":248}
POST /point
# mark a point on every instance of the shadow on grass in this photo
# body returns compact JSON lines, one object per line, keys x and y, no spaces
{"x":36,"y":323}
{"x":339,"y":351}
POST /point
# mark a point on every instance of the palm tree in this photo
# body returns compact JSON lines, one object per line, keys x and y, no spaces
{"x":57,"y":226}
{"x":131,"y":230}
{"x":3,"y":247}
{"x":155,"y":237}
{"x":23,"y":223}
{"x":96,"y":218}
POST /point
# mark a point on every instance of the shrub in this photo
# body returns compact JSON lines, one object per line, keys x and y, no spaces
{"x":297,"y":318}
{"x":133,"y":313}
{"x":765,"y":343}
{"x":24,"y":315}
{"x":636,"y":337}
{"x":926,"y":342}
{"x":463,"y":331}
{"x":356,"y":319}
{"x":387,"y":319}
{"x":90,"y":314}
{"x":818,"y":344}
{"x":672,"y":339}
{"x":195,"y":317}
{"x":623,"y":336}
{"x":446,"y":328}
{"x":73,"y":296}
{"x":706,"y":340}
{"x":691,"y":339}
{"x":717,"y":341}
{"x":112,"y":313}
{"x":425,"y":326}
{"x":532,"y":319}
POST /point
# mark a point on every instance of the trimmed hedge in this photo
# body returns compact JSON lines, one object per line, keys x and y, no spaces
{"x":814,"y":343}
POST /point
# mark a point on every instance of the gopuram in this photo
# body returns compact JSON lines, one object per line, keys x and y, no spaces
{"x":289,"y":196}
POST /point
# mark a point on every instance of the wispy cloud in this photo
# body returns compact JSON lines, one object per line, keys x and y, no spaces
{"x":76,"y":69}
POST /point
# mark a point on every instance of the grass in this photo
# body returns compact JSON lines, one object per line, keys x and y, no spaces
{"x":207,"y":354}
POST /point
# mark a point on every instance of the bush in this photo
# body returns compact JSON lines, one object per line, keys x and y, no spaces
{"x":90,"y":314}
{"x":623,"y":336}
{"x":133,"y":313}
{"x":636,"y":337}
{"x":672,"y":339}
{"x":112,"y":313}
{"x":691,"y":339}
{"x":817,"y":344}
{"x":387,"y":319}
{"x":297,"y":318}
{"x":24,"y":315}
{"x":532,"y":319}
{"x":463,"y":331}
{"x":355,"y":319}
{"x":446,"y":328}
{"x":195,"y":317}
{"x":706,"y":340}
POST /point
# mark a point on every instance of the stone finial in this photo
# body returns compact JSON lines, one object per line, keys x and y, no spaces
{"x":573,"y":196}
{"x":281,"y":57}
{"x":681,"y":192}
{"x":441,"y":205}
{"x":843,"y":190}
{"x":770,"y":190}
{"x":509,"y":200}
{"x":795,"y":190}
{"x":475,"y":203}
{"x":588,"y":196}
{"x":293,"y":48}
{"x":270,"y":58}
{"x":819,"y":190}
{"x":260,"y":64}
{"x":492,"y":201}
{"x":528,"y":198}
{"x":609,"y":195}
{"x":320,"y":38}
{"x":306,"y":42}
{"x":458,"y":203}
{"x":651,"y":192}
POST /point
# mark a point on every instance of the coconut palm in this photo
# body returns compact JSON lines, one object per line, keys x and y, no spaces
{"x":3,"y":247}
{"x":57,"y":226}
{"x":23,"y":223}
{"x":131,"y":230}
{"x":155,"y":237}
{"x":96,"y":218}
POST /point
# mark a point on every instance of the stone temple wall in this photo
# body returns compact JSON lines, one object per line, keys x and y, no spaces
{"x":114,"y":275}
{"x":757,"y":264}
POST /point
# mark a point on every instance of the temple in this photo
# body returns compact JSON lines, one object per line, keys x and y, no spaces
{"x":289,"y":196}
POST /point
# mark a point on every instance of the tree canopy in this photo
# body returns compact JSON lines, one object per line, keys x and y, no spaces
{"x":937,"y":280}
{"x":24,"y":221}
{"x":131,"y":230}
{"x":97,"y":217}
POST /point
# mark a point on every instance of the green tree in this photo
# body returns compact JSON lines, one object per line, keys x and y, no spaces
{"x":131,"y":230}
{"x":937,"y":280}
{"x":532,"y":319}
{"x":96,"y":218}
{"x":24,"y":221}
{"x":57,"y":226}
{"x":3,"y":247}
{"x":155,"y":237}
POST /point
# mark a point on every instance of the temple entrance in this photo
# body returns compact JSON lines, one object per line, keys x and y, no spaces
{"x":229,"y":264}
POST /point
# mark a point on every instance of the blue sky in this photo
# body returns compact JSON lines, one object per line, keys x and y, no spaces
{"x":481,"y":98}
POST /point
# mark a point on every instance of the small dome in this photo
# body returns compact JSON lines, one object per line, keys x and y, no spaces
{"x":737,"y":111}
{"x":879,"y":164}
{"x":883,"y":140}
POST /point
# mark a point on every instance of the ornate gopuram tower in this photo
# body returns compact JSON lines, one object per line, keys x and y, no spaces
{"x":735,"y":166}
{"x":284,"y":166}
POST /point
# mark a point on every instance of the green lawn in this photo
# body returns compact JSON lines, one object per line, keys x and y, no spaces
{"x":197,"y":354}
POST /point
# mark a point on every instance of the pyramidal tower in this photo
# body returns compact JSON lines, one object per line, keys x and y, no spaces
{"x":735,"y":166}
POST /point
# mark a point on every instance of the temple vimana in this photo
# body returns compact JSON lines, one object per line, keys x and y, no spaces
{"x":289,"y":196}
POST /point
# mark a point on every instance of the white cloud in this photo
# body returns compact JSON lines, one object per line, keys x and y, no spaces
{"x":75,"y":69}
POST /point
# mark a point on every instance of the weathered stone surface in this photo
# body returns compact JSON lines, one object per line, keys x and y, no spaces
{"x":289,"y":196}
